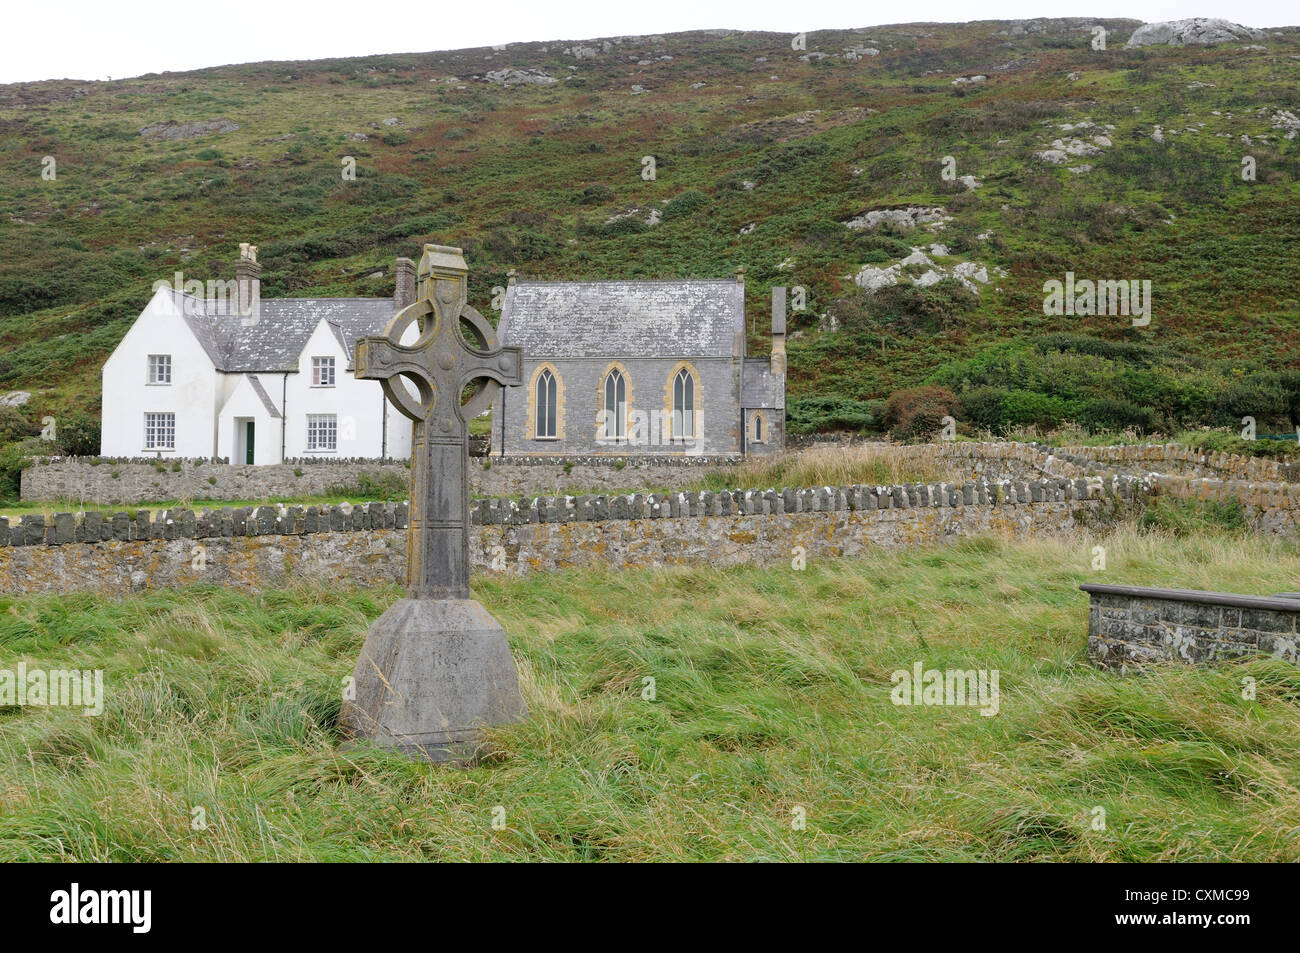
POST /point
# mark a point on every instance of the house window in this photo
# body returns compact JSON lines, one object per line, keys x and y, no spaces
{"x":322,"y":372}
{"x":322,"y":432}
{"x":615,"y":418}
{"x":546,"y":406}
{"x":684,"y":405}
{"x":160,"y":368}
{"x":159,"y":431}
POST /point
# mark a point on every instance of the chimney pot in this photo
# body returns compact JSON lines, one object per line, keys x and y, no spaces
{"x":248,"y":278}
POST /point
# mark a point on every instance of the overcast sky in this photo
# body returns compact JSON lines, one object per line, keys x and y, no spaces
{"x":96,"y":39}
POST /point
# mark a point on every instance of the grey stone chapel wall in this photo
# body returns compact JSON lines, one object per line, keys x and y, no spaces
{"x":648,"y":379}
{"x":265,"y":547}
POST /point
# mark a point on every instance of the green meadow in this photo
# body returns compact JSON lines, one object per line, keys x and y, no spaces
{"x":683,"y":714}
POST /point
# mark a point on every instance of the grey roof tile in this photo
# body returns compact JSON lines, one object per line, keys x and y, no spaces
{"x":569,"y":319}
{"x":275,"y":342}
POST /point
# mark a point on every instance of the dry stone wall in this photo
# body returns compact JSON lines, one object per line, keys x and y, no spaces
{"x":140,"y":481}
{"x":365,"y":545}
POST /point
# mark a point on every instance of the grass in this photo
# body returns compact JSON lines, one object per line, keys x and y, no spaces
{"x":871,"y":463}
{"x":771,"y":692}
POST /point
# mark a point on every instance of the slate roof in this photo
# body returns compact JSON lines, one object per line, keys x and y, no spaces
{"x":275,"y":343}
{"x":759,"y":387}
{"x":572,"y":319}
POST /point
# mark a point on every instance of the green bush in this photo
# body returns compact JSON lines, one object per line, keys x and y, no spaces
{"x":1114,"y":413}
{"x":78,"y":434}
{"x":806,"y":415}
{"x":14,"y":458}
{"x":689,"y":201}
{"x":595,"y":195}
{"x":16,"y":423}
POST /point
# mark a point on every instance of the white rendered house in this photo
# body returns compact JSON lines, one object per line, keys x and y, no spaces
{"x":202,"y":377}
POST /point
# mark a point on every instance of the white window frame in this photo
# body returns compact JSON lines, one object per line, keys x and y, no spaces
{"x":158,"y":425}
{"x":318,"y":367}
{"x":322,"y":433}
{"x":160,"y":367}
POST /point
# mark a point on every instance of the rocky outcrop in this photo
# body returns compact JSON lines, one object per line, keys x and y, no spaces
{"x":908,"y":217}
{"x":519,"y":77}
{"x":1197,"y":30}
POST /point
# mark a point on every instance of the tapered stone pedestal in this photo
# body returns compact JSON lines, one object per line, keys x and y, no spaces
{"x":432,"y":674}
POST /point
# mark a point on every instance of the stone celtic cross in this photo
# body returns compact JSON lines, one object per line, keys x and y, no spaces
{"x":440,"y":364}
{"x":436,"y":667}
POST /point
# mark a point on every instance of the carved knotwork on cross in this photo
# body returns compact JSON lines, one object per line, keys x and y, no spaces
{"x":440,"y":365}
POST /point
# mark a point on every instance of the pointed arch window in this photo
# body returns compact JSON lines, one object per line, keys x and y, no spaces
{"x":684,"y":405}
{"x":758,"y":429}
{"x":546,"y":405}
{"x":615,"y":405}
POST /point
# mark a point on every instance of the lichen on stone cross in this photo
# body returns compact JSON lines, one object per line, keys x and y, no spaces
{"x":440,"y":364}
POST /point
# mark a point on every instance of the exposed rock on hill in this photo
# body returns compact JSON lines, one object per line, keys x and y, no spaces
{"x":1197,"y":30}
{"x":909,"y":217}
{"x":519,"y":77}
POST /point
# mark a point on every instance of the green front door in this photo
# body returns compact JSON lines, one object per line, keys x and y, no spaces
{"x":248,"y":442}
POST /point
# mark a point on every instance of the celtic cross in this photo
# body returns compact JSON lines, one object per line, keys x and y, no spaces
{"x":440,"y":364}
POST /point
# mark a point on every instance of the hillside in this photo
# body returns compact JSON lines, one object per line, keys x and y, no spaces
{"x":530,"y":157}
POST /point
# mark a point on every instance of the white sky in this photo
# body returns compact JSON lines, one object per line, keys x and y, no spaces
{"x":96,"y":39}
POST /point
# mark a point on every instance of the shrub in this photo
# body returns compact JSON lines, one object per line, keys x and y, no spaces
{"x":917,"y":413}
{"x":917,"y":310}
{"x":684,"y":204}
{"x":78,"y":434}
{"x":13,"y":459}
{"x":805,"y":415}
{"x":1114,"y":414}
{"x":595,"y":195}
{"x":16,"y":423}
{"x":985,"y":407}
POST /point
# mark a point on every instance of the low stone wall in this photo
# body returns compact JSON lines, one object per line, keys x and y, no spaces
{"x":1270,"y":508}
{"x":139,"y":481}
{"x":136,"y":481}
{"x":1186,"y":461}
{"x":1132,"y":626}
{"x":365,"y":545}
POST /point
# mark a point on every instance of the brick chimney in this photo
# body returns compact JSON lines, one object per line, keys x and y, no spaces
{"x":248,"y":278}
{"x":404,"y":292}
{"x":778,"y":330}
